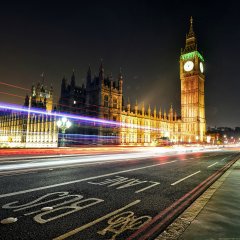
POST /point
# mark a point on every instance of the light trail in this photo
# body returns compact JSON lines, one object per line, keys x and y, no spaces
{"x":59,"y":161}
{"x":100,"y":122}
{"x":26,"y":110}
{"x":11,"y":94}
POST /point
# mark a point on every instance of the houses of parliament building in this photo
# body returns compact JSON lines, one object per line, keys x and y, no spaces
{"x":102,"y":97}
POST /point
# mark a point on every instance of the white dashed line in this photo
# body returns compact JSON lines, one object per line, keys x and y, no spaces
{"x":212,"y":164}
{"x":185,"y":178}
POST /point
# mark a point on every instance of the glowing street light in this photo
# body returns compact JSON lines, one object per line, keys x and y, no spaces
{"x":63,"y":124}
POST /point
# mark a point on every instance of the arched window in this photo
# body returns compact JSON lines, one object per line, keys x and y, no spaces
{"x":115,"y":103}
{"x":105,"y":101}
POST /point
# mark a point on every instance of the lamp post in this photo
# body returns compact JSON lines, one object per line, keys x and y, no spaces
{"x":63,"y":124}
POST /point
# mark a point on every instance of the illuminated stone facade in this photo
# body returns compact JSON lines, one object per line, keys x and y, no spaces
{"x":103,"y":97}
{"x":19,"y":129}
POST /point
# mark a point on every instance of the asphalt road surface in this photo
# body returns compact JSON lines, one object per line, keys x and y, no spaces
{"x":116,"y":197}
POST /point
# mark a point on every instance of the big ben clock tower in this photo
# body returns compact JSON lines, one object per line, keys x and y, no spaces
{"x":192,"y":90}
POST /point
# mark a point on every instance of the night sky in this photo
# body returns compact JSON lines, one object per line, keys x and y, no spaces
{"x":144,"y":38}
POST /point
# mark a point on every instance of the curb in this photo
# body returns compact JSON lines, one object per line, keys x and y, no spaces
{"x":180,"y":224}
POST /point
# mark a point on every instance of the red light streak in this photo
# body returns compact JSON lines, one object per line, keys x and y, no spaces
{"x":11,"y":94}
{"x":15,"y":86}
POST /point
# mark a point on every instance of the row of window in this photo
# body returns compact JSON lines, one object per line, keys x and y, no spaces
{"x":106,"y":102}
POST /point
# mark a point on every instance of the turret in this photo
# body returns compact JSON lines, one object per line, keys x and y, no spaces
{"x":143,"y":109}
{"x":149,"y":110}
{"x":155,"y":112}
{"x":63,"y":86}
{"x":51,"y":91}
{"x":111,"y":80}
{"x":170,"y":114}
{"x":136,"y":108}
{"x":128,"y":106}
{"x":101,"y":72}
{"x":160,"y":113}
{"x":120,"y":81}
{"x":33,"y":91}
{"x":26,"y":102}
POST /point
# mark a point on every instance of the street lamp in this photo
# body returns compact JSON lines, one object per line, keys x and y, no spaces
{"x":64,"y":124}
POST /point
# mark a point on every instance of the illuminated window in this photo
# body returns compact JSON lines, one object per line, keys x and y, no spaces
{"x":105,"y":101}
{"x":115,"y":103}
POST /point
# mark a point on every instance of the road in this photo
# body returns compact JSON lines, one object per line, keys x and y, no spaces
{"x":115,"y":196}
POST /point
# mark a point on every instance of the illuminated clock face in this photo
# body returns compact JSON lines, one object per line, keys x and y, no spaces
{"x":201,"y":67}
{"x":188,"y":66}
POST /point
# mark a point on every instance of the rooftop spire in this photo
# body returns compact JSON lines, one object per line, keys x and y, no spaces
{"x":191,"y":42}
{"x":120,"y":74}
{"x":43,"y":78}
{"x":89,"y":70}
{"x":191,"y":32}
{"x":101,"y":71}
{"x":73,"y":78}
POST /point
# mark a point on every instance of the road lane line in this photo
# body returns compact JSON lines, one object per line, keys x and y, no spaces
{"x":90,"y":224}
{"x":82,"y":180}
{"x":185,"y":178}
{"x":228,"y":157}
{"x":212,"y":164}
{"x":153,"y":185}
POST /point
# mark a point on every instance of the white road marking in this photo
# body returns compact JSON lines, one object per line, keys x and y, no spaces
{"x":143,"y":189}
{"x":185,"y":178}
{"x":82,"y":180}
{"x":9,"y":220}
{"x":227,"y":157}
{"x":90,"y":224}
{"x":212,"y":164}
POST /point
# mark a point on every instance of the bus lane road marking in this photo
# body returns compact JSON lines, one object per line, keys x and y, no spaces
{"x":58,"y":205}
{"x":120,"y":182}
{"x":61,"y":204}
{"x":82,"y":180}
{"x":126,"y":222}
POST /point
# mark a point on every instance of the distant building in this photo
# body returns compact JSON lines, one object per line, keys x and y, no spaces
{"x":19,"y":129}
{"x":224,"y":135}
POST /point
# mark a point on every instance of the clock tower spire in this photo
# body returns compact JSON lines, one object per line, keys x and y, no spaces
{"x":191,"y":41}
{"x":192,"y":90}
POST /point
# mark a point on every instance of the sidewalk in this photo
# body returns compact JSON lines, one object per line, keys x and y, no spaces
{"x":215,"y":215}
